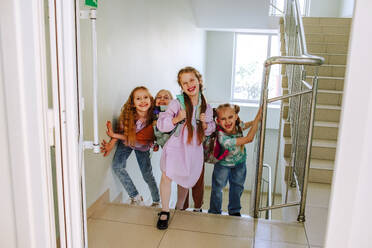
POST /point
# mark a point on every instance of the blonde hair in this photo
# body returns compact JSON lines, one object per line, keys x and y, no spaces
{"x":189,"y":107}
{"x":128,"y":116}
{"x":167,"y":91}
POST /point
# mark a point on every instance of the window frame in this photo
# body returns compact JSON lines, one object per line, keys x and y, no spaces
{"x":266,"y":32}
{"x":276,"y":13}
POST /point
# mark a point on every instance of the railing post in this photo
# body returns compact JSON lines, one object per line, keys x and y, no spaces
{"x":301,"y":216}
{"x":259,"y":166}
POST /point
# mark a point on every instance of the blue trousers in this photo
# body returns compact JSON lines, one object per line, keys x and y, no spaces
{"x":119,"y":164}
{"x":236,"y":177}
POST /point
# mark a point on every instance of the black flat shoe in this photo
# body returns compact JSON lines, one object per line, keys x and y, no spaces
{"x":162,"y":224}
{"x":235,"y":214}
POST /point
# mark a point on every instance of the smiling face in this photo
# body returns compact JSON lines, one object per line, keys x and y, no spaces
{"x":226,"y":118}
{"x":142,"y":100}
{"x":162,"y":98}
{"x":189,"y":83}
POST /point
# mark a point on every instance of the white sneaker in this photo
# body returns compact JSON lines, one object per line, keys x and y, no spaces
{"x":136,"y":201}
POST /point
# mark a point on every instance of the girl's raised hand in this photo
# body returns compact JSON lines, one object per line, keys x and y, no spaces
{"x":109,"y":130}
{"x":106,"y":147}
{"x":259,"y":115}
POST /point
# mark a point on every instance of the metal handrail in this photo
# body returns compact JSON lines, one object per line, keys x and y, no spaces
{"x":303,"y":59}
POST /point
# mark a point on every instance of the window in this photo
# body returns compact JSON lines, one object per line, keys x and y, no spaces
{"x":251,"y":51}
{"x":277,"y":7}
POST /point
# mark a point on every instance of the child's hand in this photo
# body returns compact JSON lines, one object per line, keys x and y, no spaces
{"x":106,"y":147}
{"x":180,"y":116}
{"x":202,"y":119}
{"x":109,"y":130}
{"x":155,"y":148}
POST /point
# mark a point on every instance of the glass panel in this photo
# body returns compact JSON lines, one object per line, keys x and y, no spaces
{"x":275,"y":6}
{"x":275,"y":78}
{"x":250,"y":54}
{"x":302,"y":6}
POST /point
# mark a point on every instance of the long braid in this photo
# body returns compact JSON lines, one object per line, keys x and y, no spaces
{"x":189,"y":107}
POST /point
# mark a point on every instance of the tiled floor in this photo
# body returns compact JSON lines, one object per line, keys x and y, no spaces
{"x":128,"y":226}
{"x":317,"y":213}
{"x":119,"y":225}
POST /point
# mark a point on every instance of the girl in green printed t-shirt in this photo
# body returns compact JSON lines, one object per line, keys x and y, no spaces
{"x":231,"y":168}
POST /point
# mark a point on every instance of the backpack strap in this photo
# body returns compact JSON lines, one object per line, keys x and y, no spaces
{"x":177,"y":130}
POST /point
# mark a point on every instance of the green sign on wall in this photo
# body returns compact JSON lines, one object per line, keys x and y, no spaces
{"x":91,"y":3}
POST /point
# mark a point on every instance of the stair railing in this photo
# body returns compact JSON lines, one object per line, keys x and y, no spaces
{"x":301,"y":111}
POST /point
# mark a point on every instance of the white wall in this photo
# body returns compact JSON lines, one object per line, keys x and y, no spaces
{"x":237,"y":14}
{"x":328,"y":8}
{"x":219,"y":65}
{"x":7,"y":227}
{"x":347,"y":8}
{"x":349,"y":220}
{"x":139,"y":43}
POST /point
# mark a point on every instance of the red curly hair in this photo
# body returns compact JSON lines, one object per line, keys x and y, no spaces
{"x":128,"y":116}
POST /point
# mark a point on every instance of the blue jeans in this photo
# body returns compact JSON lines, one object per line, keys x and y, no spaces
{"x":119,"y":164}
{"x":236,"y":177}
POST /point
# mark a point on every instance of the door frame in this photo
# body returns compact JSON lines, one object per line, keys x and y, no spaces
{"x":66,"y":95}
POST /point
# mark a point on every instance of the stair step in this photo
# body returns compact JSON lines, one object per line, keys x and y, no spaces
{"x":324,"y":70}
{"x":333,"y":59}
{"x":326,"y":21}
{"x":319,"y":47}
{"x":321,"y":171}
{"x":328,"y":113}
{"x":322,"y":130}
{"x":326,"y":29}
{"x":324,"y":83}
{"x":327,"y":38}
{"x":321,"y":149}
{"x":325,"y":97}
{"x":327,"y":70}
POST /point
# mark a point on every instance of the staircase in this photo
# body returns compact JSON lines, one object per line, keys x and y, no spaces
{"x":328,"y":38}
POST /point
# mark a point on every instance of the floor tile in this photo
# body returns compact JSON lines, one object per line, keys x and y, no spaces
{"x":318,"y":194}
{"x":291,"y":233}
{"x":271,"y":244}
{"x":129,"y":214}
{"x":102,"y":234}
{"x":262,"y":230}
{"x":316,"y":225}
{"x":187,"y":239}
{"x":215,"y":224}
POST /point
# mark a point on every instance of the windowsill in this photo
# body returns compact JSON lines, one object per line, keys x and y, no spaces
{"x":255,"y":104}
{"x":247,"y":104}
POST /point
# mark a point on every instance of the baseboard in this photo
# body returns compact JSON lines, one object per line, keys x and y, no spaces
{"x":99,"y":203}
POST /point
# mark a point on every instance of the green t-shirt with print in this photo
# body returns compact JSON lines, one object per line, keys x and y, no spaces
{"x":237,"y":154}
